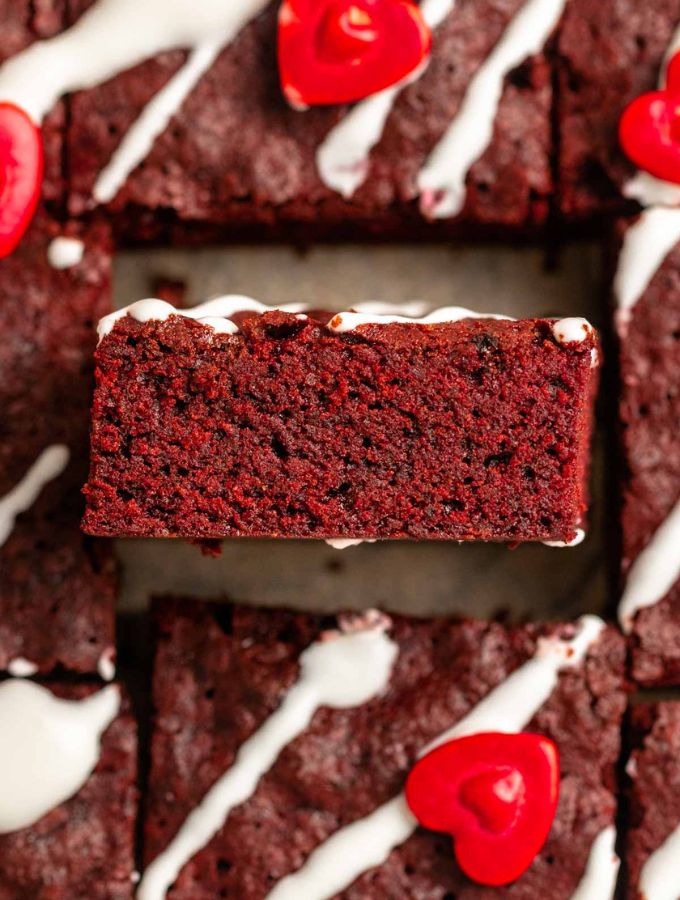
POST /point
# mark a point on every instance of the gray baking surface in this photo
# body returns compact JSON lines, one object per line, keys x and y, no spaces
{"x":418,"y":578}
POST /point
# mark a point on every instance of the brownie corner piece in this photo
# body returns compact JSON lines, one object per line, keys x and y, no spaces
{"x":222,"y":671}
{"x":58,"y":587}
{"x":81,"y":846}
{"x":273,"y":424}
{"x":653,"y":836}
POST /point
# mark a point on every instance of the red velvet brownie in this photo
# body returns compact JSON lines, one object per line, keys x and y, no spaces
{"x":275,"y":424}
{"x":68,"y":802}
{"x":57,"y":594}
{"x":647,"y":289}
{"x":653,"y":838}
{"x":609,"y":53}
{"x":232,"y":155}
{"x":222,"y":672}
{"x":23,"y":22}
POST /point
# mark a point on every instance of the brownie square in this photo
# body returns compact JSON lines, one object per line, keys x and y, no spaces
{"x":649,"y":355}
{"x":293,"y":426}
{"x":654,"y":799}
{"x":236,"y":158}
{"x":221,"y":671}
{"x":609,"y":52}
{"x":83,"y":849}
{"x":23,"y":22}
{"x":57,"y":593}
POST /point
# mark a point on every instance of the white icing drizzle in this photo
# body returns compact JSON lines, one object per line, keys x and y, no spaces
{"x":349,"y":321}
{"x":51,"y":463}
{"x":343,"y":157}
{"x":215,"y":313}
{"x":21,"y":667}
{"x":48,"y":748}
{"x":442,"y":179}
{"x":602,"y":869}
{"x":65,"y":252}
{"x":654,"y":572}
{"x":643,"y":187}
{"x":106,"y":666}
{"x":646,"y":244}
{"x":346,"y":543}
{"x":367,"y":843}
{"x":571,"y":331}
{"x":341,"y":671}
{"x":574,"y":542}
{"x":660,"y":875}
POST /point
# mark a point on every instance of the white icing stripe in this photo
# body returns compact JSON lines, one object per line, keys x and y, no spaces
{"x":48,"y":748}
{"x":51,"y":463}
{"x":643,"y":187}
{"x":21,"y":667}
{"x":602,"y":869}
{"x":114,"y":35}
{"x":367,"y":843}
{"x":65,"y":252}
{"x":349,"y":321}
{"x":215,"y":313}
{"x":137,"y":143}
{"x":645,"y":246}
{"x":660,"y":875}
{"x":654,"y":571}
{"x":341,"y":671}
{"x":442,"y":179}
{"x":343,"y":157}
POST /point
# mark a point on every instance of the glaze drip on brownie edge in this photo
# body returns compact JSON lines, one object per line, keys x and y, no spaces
{"x":367,"y":843}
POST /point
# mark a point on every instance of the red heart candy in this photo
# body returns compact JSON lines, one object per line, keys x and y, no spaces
{"x":495,"y":794}
{"x":21,"y":167}
{"x":649,"y":130}
{"x":339,"y":51}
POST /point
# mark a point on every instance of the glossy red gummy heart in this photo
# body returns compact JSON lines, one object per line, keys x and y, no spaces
{"x":339,"y":51}
{"x":495,"y":794}
{"x":649,"y":130}
{"x":21,"y":167}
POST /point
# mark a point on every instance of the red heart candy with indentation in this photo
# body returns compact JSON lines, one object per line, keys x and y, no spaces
{"x":339,"y":51}
{"x":649,"y":130}
{"x":21,"y":167}
{"x":495,"y":794}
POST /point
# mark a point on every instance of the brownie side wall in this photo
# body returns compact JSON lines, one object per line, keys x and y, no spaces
{"x":469,"y":430}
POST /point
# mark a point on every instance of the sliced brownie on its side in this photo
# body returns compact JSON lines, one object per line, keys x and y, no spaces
{"x":57,"y":591}
{"x":291,"y":756}
{"x":652,"y":845}
{"x":232,"y":419}
{"x":647,"y":296}
{"x":68,"y":792}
